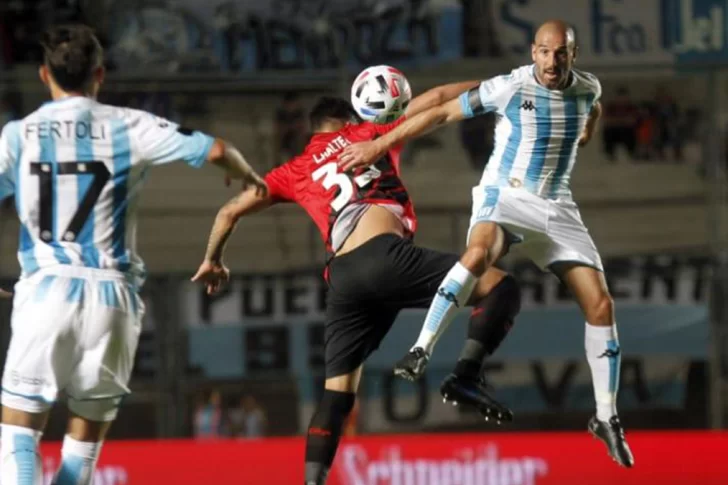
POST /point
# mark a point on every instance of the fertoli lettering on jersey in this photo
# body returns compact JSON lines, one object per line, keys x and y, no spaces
{"x":65,"y":129}
{"x":334,"y":146}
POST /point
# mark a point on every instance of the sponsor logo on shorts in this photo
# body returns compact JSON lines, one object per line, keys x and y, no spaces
{"x":17,"y":379}
{"x":485,"y":212}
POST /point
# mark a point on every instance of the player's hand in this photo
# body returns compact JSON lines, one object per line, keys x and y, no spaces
{"x":214,"y":275}
{"x":359,"y":155}
{"x":253,"y":180}
{"x":5,"y":294}
{"x":586,"y":136}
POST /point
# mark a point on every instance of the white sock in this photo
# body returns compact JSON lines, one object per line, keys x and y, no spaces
{"x":453,"y":294}
{"x":604,"y":357}
{"x":78,"y":462}
{"x":19,"y":456}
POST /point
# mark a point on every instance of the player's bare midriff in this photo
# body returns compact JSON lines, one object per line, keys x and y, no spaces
{"x":375,"y":222}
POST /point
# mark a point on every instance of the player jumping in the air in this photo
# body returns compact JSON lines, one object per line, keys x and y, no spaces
{"x":524,"y":203}
{"x":367,"y":220}
{"x":76,"y":168}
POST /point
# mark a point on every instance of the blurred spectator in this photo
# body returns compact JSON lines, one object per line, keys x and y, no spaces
{"x":248,"y":420}
{"x":667,"y":117}
{"x":645,"y":132}
{"x":619,"y":122}
{"x":477,"y":137}
{"x":208,"y":417}
{"x":290,"y":128}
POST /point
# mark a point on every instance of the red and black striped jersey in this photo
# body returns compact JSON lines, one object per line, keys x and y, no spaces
{"x":314,"y":181}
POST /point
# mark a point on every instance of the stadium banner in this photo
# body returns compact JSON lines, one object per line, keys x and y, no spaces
{"x":659,"y":280}
{"x":618,"y":32}
{"x":667,"y":458}
{"x":251,"y":35}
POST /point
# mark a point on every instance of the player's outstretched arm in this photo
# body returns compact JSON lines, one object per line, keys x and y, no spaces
{"x":438,"y":95}
{"x":212,"y":272}
{"x":227,"y":157}
{"x":591,"y":124}
{"x":365,"y":153}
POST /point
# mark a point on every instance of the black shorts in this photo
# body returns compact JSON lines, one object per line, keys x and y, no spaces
{"x":368,"y":287}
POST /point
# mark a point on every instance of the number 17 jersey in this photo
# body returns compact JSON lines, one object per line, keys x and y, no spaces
{"x":76,"y":167}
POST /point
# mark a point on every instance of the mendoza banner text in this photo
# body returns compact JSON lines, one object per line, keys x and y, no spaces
{"x":252,"y":35}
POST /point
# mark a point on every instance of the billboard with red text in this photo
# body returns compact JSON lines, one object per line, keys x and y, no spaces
{"x":665,"y":458}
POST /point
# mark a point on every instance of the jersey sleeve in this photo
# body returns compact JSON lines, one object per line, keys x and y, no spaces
{"x":162,"y":141}
{"x":597,"y":90}
{"x":491,"y":96}
{"x":594,"y":86}
{"x":280,"y":184}
{"x":9,"y":150}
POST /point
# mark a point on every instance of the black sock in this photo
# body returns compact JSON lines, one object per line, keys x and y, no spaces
{"x":490,"y":322}
{"x":324,"y":433}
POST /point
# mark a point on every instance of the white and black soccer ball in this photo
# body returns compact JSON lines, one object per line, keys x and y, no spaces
{"x":380,"y":94}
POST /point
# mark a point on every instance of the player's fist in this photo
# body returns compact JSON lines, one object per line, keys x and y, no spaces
{"x":214,"y":275}
{"x":585,"y":137}
{"x":359,"y":155}
{"x":5,"y":294}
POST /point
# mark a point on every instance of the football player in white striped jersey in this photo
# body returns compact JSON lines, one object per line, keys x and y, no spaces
{"x":76,"y":168}
{"x":523,"y":202}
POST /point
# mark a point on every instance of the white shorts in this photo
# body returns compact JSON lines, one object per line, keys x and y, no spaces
{"x":542,"y":230}
{"x":74,"y":330}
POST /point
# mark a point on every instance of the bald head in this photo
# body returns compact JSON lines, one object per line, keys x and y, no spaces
{"x":554,"y":51}
{"x":557,"y":29}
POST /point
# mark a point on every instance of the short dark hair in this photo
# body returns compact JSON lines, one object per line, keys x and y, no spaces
{"x":331,"y":108}
{"x":72,"y":53}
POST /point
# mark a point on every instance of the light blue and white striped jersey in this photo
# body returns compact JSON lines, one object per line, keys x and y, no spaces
{"x":76,"y":167}
{"x":537,"y":133}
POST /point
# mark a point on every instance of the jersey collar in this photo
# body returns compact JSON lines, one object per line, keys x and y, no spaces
{"x":66,"y":99}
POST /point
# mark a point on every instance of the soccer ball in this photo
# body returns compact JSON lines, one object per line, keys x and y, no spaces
{"x":380,"y":94}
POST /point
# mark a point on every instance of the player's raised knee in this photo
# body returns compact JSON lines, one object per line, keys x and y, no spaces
{"x":601,"y":311}
{"x":477,"y":259}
